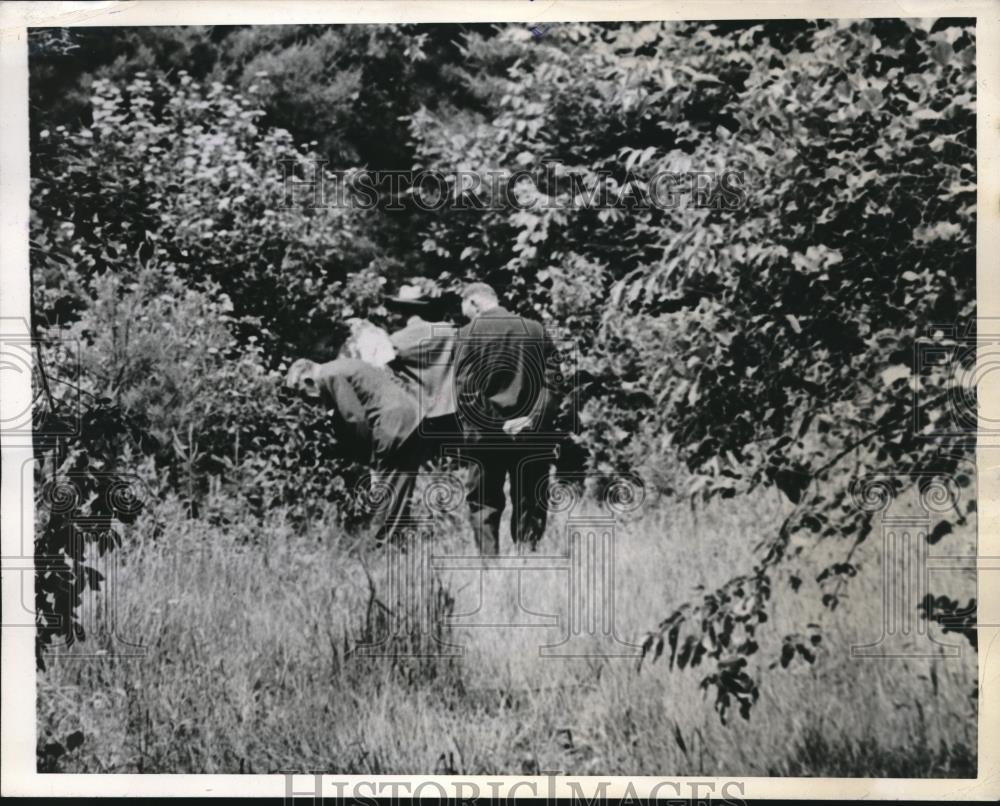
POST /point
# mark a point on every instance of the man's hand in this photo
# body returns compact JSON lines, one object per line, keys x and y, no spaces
{"x":517,"y":425}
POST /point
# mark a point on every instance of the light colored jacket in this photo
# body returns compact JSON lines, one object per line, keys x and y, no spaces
{"x":425,"y":360}
{"x":373,"y":412}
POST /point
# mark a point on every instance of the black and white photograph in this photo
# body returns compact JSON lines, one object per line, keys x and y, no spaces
{"x":548,"y":398}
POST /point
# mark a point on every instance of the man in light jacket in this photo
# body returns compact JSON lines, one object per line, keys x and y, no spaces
{"x":375,"y":420}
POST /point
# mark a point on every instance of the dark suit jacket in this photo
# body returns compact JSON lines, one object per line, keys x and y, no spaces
{"x":373,"y":413}
{"x":503,"y":370}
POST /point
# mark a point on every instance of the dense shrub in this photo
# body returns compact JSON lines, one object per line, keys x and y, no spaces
{"x":778,"y":338}
{"x":170,"y":289}
{"x":771,"y":342}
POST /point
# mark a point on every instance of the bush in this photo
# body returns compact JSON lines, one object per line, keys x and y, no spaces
{"x":777,"y":336}
{"x":764,"y":343}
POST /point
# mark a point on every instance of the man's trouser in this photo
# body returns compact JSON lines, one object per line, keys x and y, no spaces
{"x":440,"y":437}
{"x":493,"y":457}
{"x":393,"y":479}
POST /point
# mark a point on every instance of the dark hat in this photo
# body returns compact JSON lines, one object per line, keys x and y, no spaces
{"x":413,"y":295}
{"x":423,"y":296}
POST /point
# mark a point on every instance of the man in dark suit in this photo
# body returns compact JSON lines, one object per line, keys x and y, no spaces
{"x":375,"y":420}
{"x":505,"y":406}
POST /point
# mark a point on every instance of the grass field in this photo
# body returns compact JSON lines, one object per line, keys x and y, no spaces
{"x":252,"y":665}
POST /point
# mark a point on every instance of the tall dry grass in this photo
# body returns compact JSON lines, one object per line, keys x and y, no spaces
{"x":255,"y":662}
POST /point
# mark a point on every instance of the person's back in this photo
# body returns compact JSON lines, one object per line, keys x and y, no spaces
{"x":502,"y":370}
{"x":375,"y":419}
{"x":369,"y":401}
{"x":425,"y":359}
{"x":505,"y":403}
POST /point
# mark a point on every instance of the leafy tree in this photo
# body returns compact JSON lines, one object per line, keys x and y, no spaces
{"x":761,"y":333}
{"x":172,"y":288}
{"x":789,"y":324}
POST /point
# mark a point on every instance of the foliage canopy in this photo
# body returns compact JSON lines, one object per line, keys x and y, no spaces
{"x":777,"y":342}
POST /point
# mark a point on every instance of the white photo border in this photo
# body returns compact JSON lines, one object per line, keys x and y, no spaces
{"x":17,"y":697}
